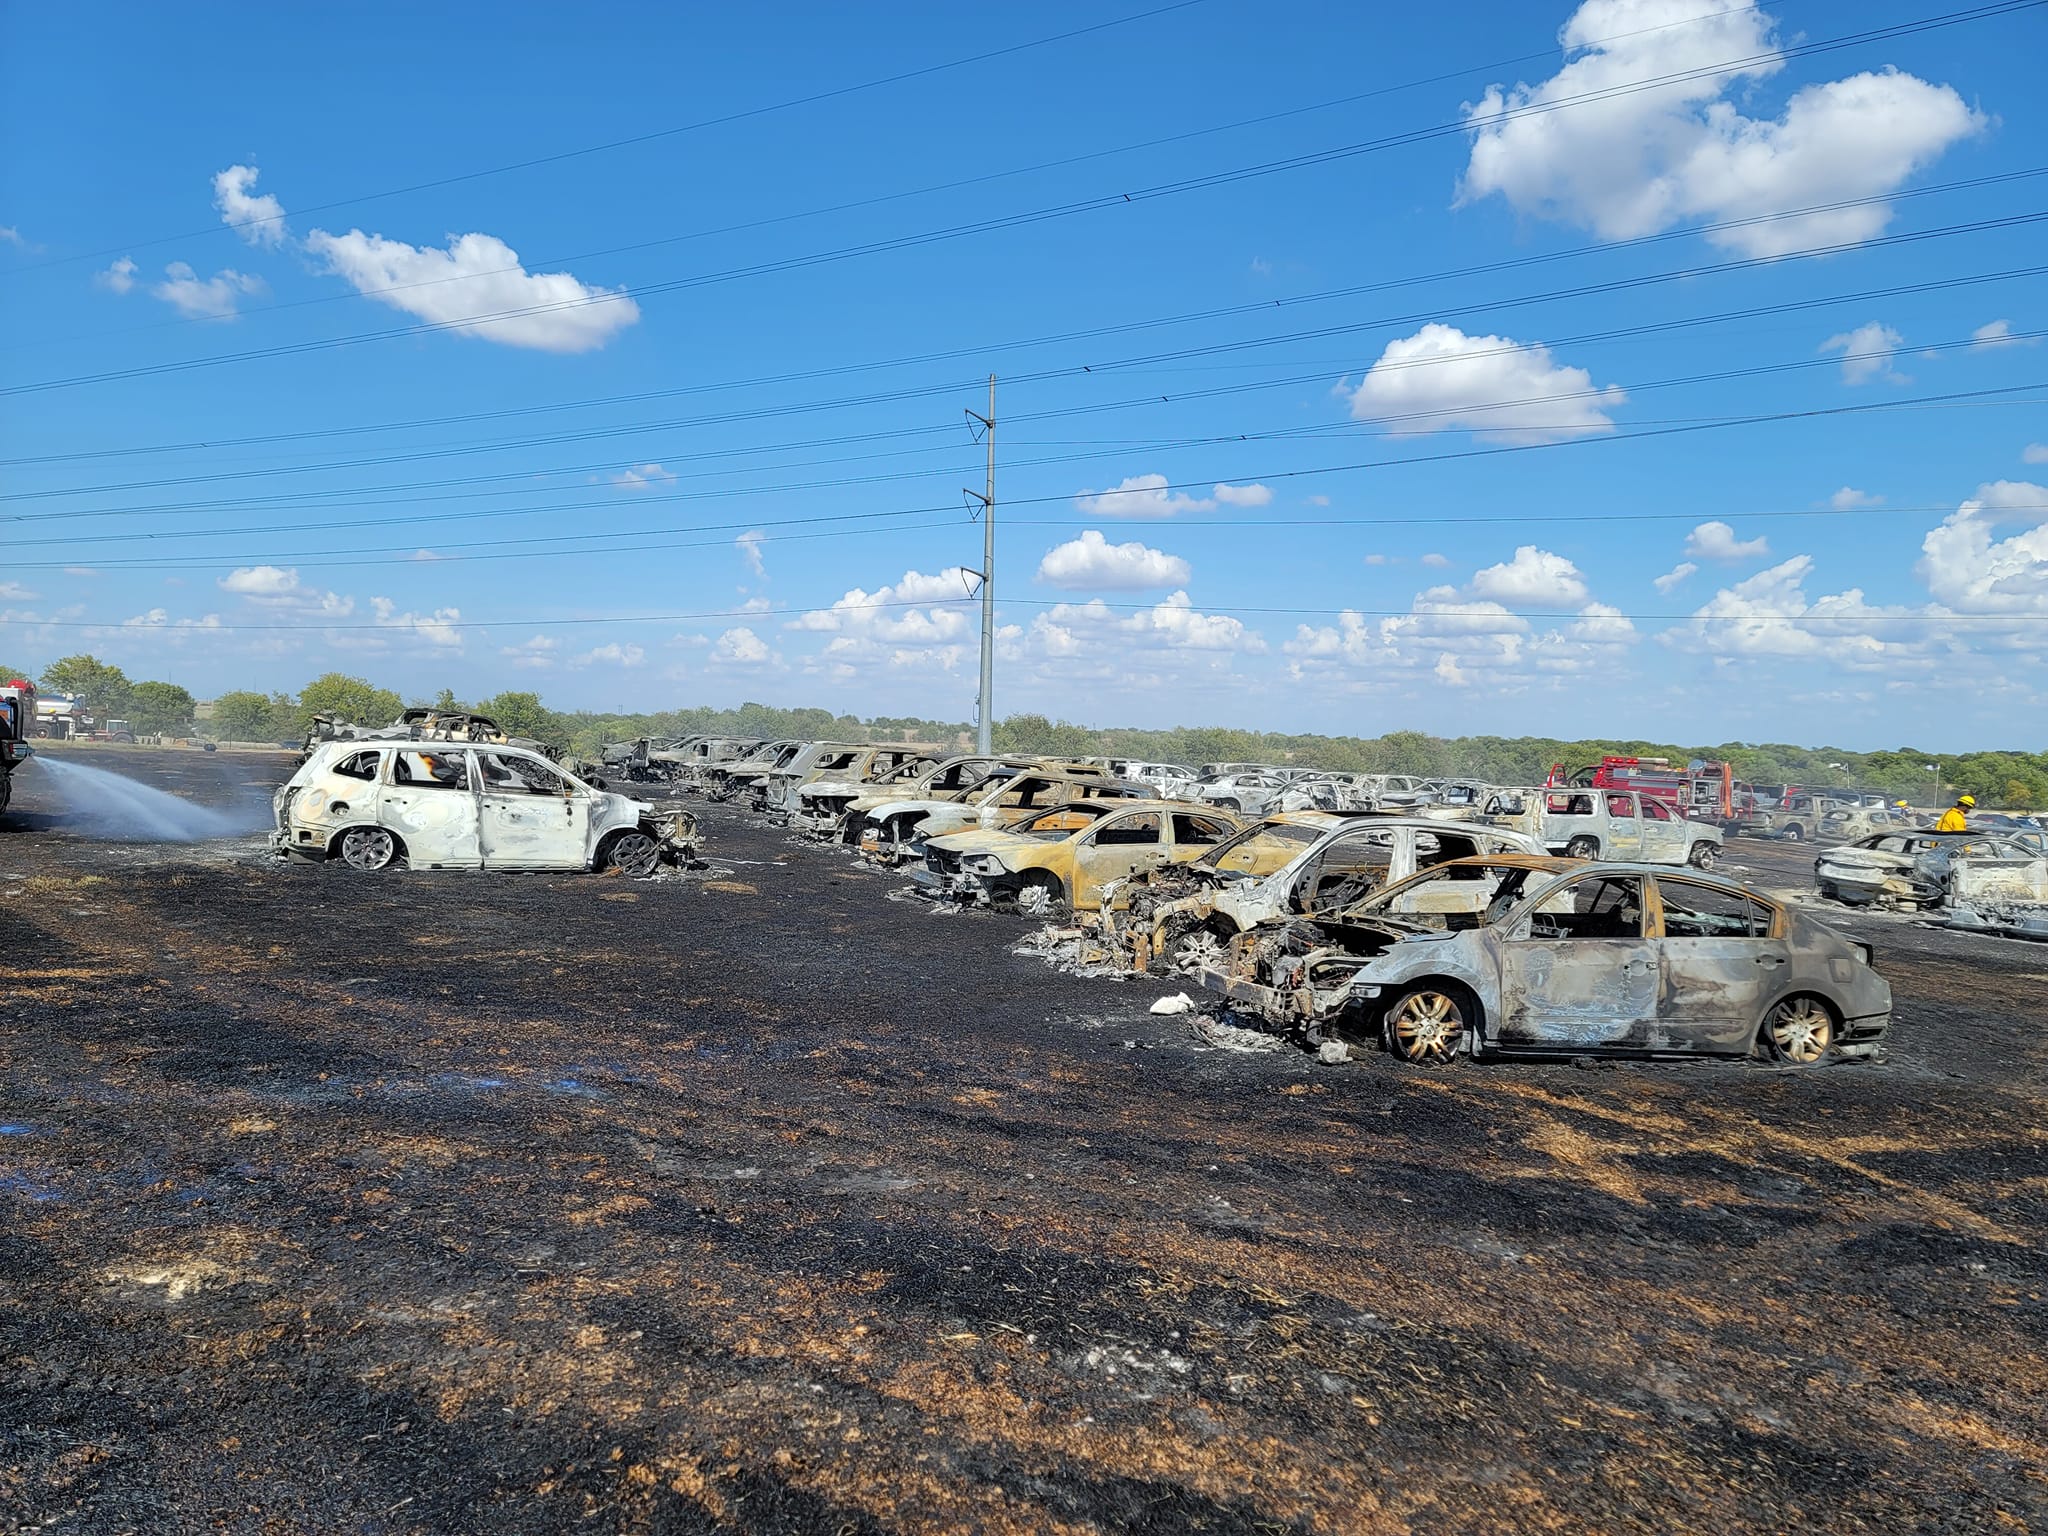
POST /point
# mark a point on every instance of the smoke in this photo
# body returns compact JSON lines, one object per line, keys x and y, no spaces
{"x":109,"y":807}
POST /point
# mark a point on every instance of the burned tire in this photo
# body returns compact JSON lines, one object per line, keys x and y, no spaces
{"x":1428,"y":1024}
{"x":1040,"y":895}
{"x":633,"y":853}
{"x":368,"y":849}
{"x":1795,"y":833}
{"x":1582,"y":848}
{"x":1798,"y":1032}
{"x":1703,"y":856}
{"x":1187,"y":949}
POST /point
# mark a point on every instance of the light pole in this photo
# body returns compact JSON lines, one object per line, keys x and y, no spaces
{"x":1843,"y":770}
{"x":1935,"y":769}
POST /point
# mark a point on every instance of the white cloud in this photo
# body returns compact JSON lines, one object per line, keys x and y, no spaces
{"x":1092,"y":563}
{"x":197,"y":298}
{"x":741,"y":647}
{"x":1242,"y":495}
{"x":12,"y":236}
{"x":118,"y":278}
{"x":903,"y":612}
{"x":80,"y":570}
{"x":1717,"y":541}
{"x":749,"y":545}
{"x":1867,"y":353}
{"x":1535,"y":578}
{"x":1436,"y":561}
{"x":1440,"y":379}
{"x":1972,"y":572}
{"x":2034,"y":453}
{"x":1674,"y":576}
{"x":160,"y":618}
{"x":1140,"y":496}
{"x":1379,"y":559}
{"x":271,"y":586}
{"x":15,"y":592}
{"x":611,"y":655}
{"x":1770,"y":615}
{"x":441,"y":627}
{"x":257,"y":219}
{"x":1849,"y":499}
{"x":535,"y":654}
{"x":1095,"y":631}
{"x":1998,"y":334}
{"x":1315,"y":501}
{"x":644,"y":477}
{"x":478,"y":276}
{"x":1641,"y":159}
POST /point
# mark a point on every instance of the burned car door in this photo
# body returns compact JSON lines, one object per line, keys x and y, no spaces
{"x":1666,"y":839}
{"x":1347,"y":870}
{"x":530,"y":816}
{"x":1116,"y":848}
{"x":430,"y":802}
{"x":1578,"y":971}
{"x":1720,"y":966}
{"x":1624,"y":839}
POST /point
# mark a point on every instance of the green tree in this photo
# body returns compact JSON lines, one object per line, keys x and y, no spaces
{"x":350,"y":699}
{"x":159,"y":708}
{"x":9,"y":674}
{"x":243,"y":716}
{"x":446,"y":702}
{"x":521,"y":714}
{"x":105,"y":689}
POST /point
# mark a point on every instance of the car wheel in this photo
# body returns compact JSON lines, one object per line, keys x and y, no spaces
{"x":1829,"y":891}
{"x":1795,"y":834}
{"x":1799,"y":1032}
{"x":1582,"y":848}
{"x":1187,"y":951}
{"x":1040,"y":895}
{"x":368,"y":848}
{"x":1427,"y":1024}
{"x":633,"y":853}
{"x":1703,"y":856}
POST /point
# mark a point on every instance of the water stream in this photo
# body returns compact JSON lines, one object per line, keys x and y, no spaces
{"x":108,"y":806}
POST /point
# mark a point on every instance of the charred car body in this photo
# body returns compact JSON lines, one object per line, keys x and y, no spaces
{"x":1625,"y":824}
{"x":896,"y":829}
{"x":1541,"y":956}
{"x":1294,"y":863}
{"x":1918,"y":869}
{"x":442,"y":805}
{"x":1079,"y":856}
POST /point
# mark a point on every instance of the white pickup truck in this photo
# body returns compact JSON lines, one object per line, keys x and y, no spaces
{"x":1625,"y":824}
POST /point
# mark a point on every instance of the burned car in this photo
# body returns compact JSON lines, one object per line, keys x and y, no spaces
{"x":1625,"y":824}
{"x":1297,"y":863}
{"x":1077,"y":856}
{"x":896,"y":829}
{"x":1910,"y":869}
{"x":837,"y":763}
{"x":1525,"y":955}
{"x":439,"y":805}
{"x":838,"y":807}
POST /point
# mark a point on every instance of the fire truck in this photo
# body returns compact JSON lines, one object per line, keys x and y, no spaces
{"x":17,"y":724}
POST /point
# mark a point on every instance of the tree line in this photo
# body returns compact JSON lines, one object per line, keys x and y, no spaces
{"x":2015,"y":780}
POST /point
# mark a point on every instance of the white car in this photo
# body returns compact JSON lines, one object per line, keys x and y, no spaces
{"x":451,"y":805}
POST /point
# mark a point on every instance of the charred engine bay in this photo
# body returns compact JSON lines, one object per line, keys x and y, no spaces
{"x":752,"y":1201}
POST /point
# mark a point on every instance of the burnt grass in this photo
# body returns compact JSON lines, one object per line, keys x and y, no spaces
{"x":753,"y":1201}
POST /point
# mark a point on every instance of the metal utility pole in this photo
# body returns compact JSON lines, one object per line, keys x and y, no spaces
{"x":985,"y":719}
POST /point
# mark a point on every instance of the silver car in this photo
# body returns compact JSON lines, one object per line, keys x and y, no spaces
{"x":1540,"y":956}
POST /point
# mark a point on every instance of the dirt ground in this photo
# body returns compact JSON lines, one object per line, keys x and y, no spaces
{"x":758,"y":1202}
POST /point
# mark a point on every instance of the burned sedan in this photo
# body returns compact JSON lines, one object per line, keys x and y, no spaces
{"x":1909,"y":870}
{"x":1076,"y":856}
{"x":443,"y":805}
{"x":1523,"y":955}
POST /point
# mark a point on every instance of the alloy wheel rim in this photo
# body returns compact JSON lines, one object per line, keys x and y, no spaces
{"x":367,"y":849}
{"x":1428,"y":1026}
{"x":1802,"y":1032}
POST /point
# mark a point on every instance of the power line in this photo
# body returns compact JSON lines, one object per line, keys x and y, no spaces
{"x":1709,"y":424}
{"x":642,"y":138}
{"x":1112,"y":200}
{"x":1119,"y":328}
{"x":869,"y":202}
{"x":413,"y":488}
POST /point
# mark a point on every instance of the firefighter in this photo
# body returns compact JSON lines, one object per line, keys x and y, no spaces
{"x":1957,"y":817}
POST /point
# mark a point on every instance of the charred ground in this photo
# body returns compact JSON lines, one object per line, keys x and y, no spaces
{"x":757,"y":1202}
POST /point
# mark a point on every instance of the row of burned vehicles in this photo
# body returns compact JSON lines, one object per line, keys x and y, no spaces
{"x":1513,"y":925}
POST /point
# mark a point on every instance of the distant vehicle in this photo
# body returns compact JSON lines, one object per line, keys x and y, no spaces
{"x":63,"y":716}
{"x":1078,"y":857}
{"x":445,"y":805}
{"x":17,"y":721}
{"x":1625,"y":824}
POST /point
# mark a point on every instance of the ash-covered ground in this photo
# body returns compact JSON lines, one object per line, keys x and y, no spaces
{"x":753,"y":1201}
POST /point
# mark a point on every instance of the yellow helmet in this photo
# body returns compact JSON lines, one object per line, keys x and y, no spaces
{"x":1966,"y":800}
{"x":1898,"y":805}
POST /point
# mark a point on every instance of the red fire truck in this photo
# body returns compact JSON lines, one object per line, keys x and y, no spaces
{"x":1704,"y":790}
{"x":17,"y":723}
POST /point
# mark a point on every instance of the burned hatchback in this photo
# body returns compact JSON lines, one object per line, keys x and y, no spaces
{"x":1539,"y":956}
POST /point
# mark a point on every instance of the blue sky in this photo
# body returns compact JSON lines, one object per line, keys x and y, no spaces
{"x":1663,"y":367}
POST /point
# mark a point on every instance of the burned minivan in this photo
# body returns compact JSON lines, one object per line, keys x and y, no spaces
{"x":450,"y":805}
